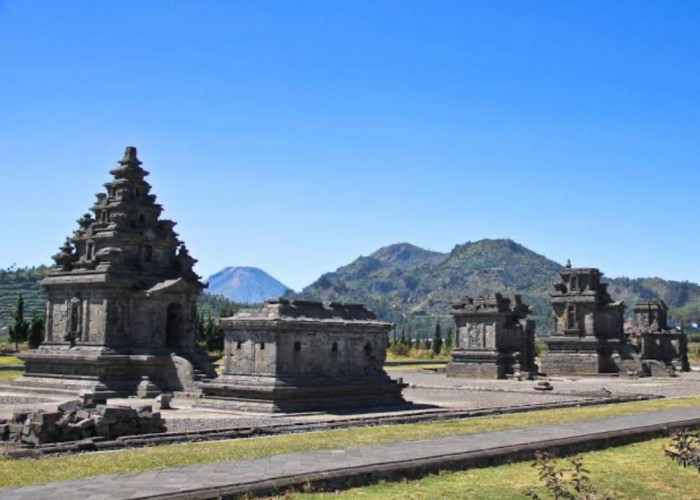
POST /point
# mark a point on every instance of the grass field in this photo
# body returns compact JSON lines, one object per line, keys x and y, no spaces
{"x":419,"y":355}
{"x":10,"y":360}
{"x":636,"y":471}
{"x":10,"y":374}
{"x":22,"y":472}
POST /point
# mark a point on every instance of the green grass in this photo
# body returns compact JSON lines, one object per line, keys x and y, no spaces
{"x":419,"y":355}
{"x":637,"y":471}
{"x":10,"y":374}
{"x":20,"y":472}
{"x":10,"y":360}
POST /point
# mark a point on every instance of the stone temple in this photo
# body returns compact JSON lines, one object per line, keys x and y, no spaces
{"x":588,"y":326}
{"x":662,"y":350}
{"x":121,"y":301}
{"x":494,"y":338}
{"x":298,"y":355}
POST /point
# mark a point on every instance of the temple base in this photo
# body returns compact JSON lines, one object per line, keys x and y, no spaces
{"x":581,"y":356}
{"x":68,"y":371}
{"x":485,"y":364}
{"x":274,"y":395}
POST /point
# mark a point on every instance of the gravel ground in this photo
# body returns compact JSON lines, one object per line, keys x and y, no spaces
{"x":426,"y":389}
{"x":688,"y":384}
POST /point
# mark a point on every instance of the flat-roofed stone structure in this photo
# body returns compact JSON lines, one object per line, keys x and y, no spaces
{"x":494,"y":338}
{"x":121,"y":300}
{"x":588,"y":326}
{"x":662,"y":349}
{"x":298,"y":355}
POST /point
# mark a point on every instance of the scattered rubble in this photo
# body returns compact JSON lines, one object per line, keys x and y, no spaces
{"x":86,"y":418}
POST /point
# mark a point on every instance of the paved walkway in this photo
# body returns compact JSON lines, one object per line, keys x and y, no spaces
{"x":258,"y":475}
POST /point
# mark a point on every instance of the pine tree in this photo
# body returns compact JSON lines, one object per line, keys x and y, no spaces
{"x":19,"y":329}
{"x":448,"y":341}
{"x":213,"y":335}
{"x":36,"y":331}
{"x":437,"y":340}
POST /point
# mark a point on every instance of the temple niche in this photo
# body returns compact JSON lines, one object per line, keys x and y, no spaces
{"x":495,"y":338}
{"x":663,"y":351}
{"x":300,"y":355}
{"x":121,"y":300}
{"x":588,"y":326}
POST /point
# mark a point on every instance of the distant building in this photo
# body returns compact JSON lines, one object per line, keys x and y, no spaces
{"x":494,"y":338}
{"x":588,"y":326}
{"x":656,"y":342}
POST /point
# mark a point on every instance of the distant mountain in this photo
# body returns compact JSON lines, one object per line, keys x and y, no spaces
{"x":415,"y":287}
{"x":245,"y":285}
{"x":406,"y":255}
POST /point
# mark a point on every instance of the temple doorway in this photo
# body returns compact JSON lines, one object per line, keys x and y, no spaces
{"x":172,"y":326}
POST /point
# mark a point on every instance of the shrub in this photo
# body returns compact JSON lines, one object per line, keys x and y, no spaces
{"x":685,"y":448}
{"x":565,"y":483}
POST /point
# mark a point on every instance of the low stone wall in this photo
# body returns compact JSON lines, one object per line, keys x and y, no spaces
{"x":76,"y":420}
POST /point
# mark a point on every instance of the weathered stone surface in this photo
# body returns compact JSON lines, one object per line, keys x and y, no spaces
{"x":588,"y":326}
{"x":301,"y":355}
{"x":164,"y":400}
{"x":494,"y":339}
{"x":120,"y":300}
{"x":73,"y":423}
{"x":655,"y":341}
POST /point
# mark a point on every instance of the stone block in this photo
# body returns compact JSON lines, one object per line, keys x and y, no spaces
{"x":163,"y":401}
{"x":20,"y":416}
{"x":115,"y":411}
{"x":69,"y":406}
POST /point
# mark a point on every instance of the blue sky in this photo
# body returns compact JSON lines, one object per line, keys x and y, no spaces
{"x":297,"y":136}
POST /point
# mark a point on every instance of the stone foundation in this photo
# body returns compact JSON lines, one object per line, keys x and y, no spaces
{"x":300,"y":394}
{"x":108,"y":375}
{"x":581,"y":356}
{"x":478,"y":364}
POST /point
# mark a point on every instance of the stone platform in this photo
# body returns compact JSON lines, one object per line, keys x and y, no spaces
{"x":331,"y":468}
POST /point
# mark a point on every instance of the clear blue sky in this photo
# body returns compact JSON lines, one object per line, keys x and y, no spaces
{"x":297,"y":136}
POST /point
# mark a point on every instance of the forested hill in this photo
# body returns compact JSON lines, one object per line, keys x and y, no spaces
{"x":415,"y":287}
{"x":412,"y":286}
{"x":24,"y":281}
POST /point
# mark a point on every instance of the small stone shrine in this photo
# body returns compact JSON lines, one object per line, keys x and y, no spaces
{"x":299,"y":355}
{"x":588,"y":326}
{"x":120,"y":312}
{"x":655,"y":341}
{"x":495,"y":338}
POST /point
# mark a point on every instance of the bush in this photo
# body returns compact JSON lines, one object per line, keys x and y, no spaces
{"x":685,"y":448}
{"x":399,"y":349}
{"x":565,"y":483}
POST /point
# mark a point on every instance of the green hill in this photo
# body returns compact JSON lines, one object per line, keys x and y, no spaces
{"x":414,"y":287}
{"x":24,"y":281}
